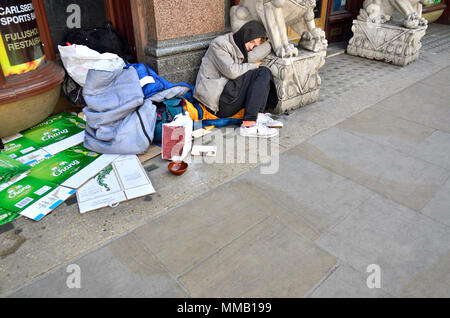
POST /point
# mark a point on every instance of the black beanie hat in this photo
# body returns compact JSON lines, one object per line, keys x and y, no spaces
{"x":249,"y":32}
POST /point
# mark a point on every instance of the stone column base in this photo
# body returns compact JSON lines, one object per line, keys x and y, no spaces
{"x":178,"y":60}
{"x":386,"y":42}
{"x":296,"y":79}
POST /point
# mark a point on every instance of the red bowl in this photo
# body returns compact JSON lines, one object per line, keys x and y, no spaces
{"x":178,"y":168}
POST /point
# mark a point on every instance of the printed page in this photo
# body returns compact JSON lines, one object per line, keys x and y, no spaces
{"x":102,"y":191}
{"x":130,"y":172}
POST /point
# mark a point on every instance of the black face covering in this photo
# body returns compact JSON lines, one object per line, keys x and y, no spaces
{"x":250,"y":31}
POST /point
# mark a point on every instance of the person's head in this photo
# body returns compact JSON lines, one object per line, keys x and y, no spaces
{"x":250,"y":45}
{"x":249,"y":36}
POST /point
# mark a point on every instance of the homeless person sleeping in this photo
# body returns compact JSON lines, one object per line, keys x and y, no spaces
{"x":121,"y":112}
{"x":231,"y":78}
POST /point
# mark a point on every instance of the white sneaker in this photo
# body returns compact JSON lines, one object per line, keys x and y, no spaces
{"x":268,"y":121}
{"x":258,"y":130}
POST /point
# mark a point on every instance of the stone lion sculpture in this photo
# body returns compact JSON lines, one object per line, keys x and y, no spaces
{"x":381,"y":11}
{"x":276,"y":15}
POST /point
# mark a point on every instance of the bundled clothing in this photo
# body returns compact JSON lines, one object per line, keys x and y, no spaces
{"x":121,"y":115}
{"x":155,"y":87}
{"x":118,"y":119}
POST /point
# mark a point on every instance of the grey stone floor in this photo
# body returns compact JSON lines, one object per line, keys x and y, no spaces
{"x":363,"y":178}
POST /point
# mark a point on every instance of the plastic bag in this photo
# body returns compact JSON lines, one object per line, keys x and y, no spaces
{"x":79,"y":59}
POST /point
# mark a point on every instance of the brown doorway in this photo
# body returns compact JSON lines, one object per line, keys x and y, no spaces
{"x":119,"y":13}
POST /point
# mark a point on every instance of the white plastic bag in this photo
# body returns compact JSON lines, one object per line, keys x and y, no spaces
{"x":79,"y":59}
{"x":177,"y":138}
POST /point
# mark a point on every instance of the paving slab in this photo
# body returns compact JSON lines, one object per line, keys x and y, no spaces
{"x":439,"y":207}
{"x":198,"y":229}
{"x":344,"y":94}
{"x":431,"y":110}
{"x":308,"y":198}
{"x":122,"y":269}
{"x":406,"y":136}
{"x":269,"y":261}
{"x":409,"y":181}
{"x":346,"y":282}
{"x":432,"y":283}
{"x":436,"y":39}
{"x":402,"y":242}
{"x":440,"y":80}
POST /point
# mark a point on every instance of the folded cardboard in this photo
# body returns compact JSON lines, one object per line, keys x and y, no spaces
{"x":33,"y":198}
{"x":125,"y":179}
{"x":58,"y":167}
{"x":50,"y":183}
{"x":55,"y":167}
{"x":57,"y":133}
{"x":10,"y":168}
{"x":7,"y":216}
{"x":72,"y":167}
{"x":48,"y":138}
{"x":24,"y":150}
{"x":11,"y":138}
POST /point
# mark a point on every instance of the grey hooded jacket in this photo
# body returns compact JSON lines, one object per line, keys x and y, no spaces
{"x":118,"y":119}
{"x":222,"y":62}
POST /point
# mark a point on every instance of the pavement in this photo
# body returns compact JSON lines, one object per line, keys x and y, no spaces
{"x":352,"y":195}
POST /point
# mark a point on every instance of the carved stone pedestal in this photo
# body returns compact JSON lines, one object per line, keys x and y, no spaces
{"x":386,"y":42}
{"x":296,"y":79}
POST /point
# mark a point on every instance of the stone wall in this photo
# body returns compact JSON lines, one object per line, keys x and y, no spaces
{"x":179,"y":32}
{"x":182,"y":18}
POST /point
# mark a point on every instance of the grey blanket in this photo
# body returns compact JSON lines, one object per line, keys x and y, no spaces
{"x":119,"y":120}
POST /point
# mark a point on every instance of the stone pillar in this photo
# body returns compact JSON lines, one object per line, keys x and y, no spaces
{"x":296,"y":79}
{"x":179,"y":32}
{"x":386,"y":42}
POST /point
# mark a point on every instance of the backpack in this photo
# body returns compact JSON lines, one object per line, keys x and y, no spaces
{"x":103,"y":40}
{"x":166,"y":112}
{"x":73,"y":92}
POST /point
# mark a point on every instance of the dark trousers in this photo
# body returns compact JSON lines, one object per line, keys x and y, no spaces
{"x":250,"y":91}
